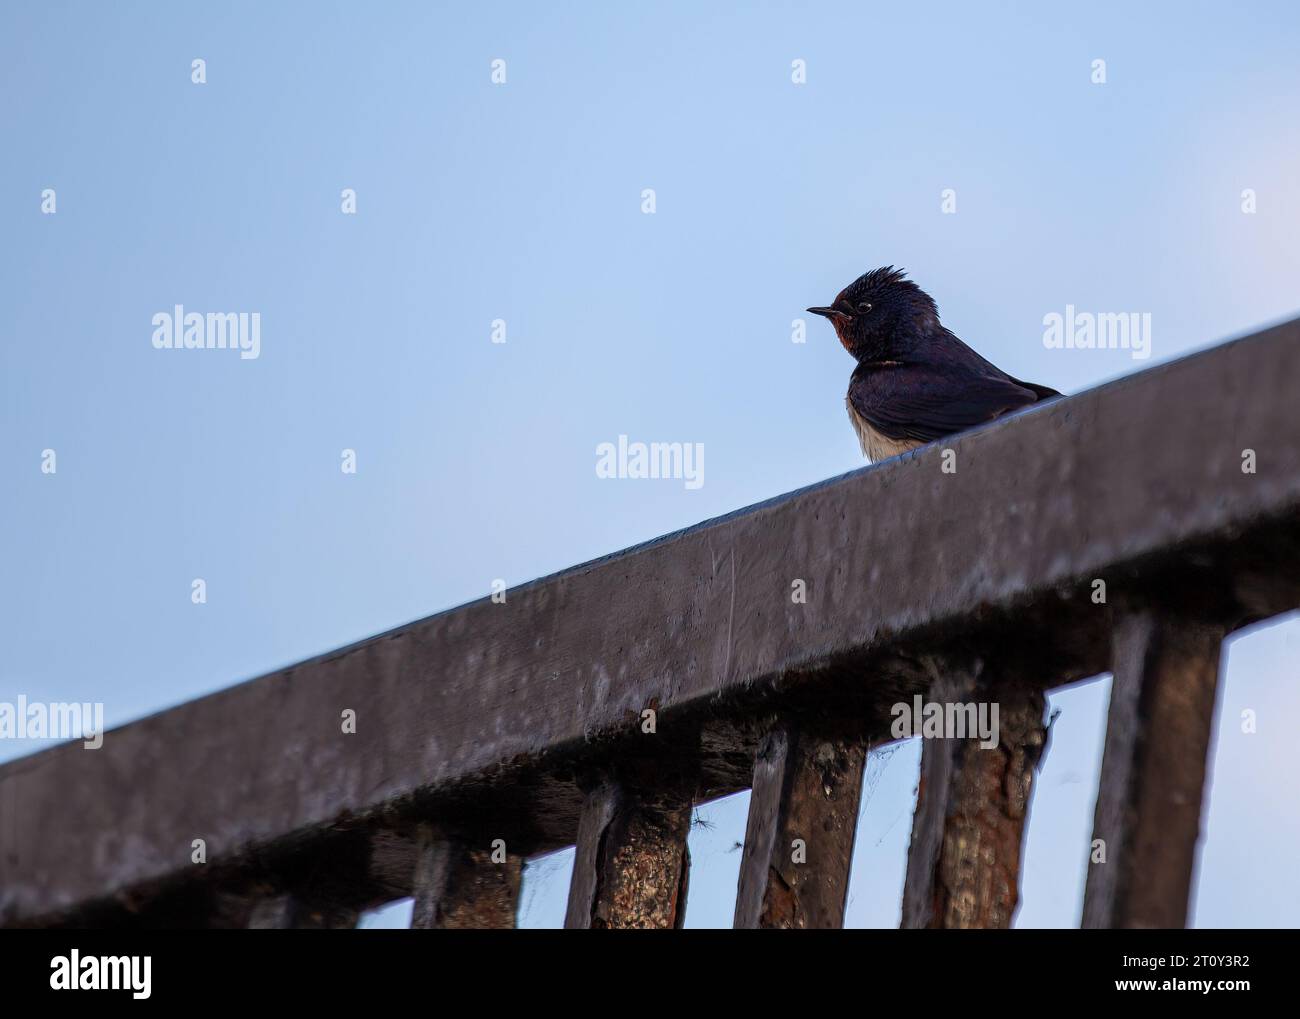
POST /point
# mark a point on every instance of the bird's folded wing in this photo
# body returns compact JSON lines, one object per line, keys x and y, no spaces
{"x":924,"y":403}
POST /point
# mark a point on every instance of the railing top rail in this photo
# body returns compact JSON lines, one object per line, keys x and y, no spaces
{"x":1037,"y":503}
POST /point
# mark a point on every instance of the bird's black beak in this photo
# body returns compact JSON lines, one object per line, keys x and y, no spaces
{"x":830,"y":313}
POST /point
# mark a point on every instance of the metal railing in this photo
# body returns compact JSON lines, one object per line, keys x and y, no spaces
{"x":1126,"y":529}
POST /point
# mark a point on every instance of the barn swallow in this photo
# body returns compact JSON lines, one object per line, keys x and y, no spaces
{"x":915,"y":381}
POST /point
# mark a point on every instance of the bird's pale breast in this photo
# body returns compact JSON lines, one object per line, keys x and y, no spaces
{"x":876,"y":446}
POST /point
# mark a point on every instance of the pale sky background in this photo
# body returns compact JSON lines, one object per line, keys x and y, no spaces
{"x":523,"y":202}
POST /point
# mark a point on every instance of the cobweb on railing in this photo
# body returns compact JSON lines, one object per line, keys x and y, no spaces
{"x":874,"y":769}
{"x":886,"y":805}
{"x":543,"y":878}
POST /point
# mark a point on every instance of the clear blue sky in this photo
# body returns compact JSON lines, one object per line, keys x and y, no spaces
{"x":522,"y":202}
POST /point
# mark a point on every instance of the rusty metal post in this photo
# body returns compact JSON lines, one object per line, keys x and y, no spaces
{"x":457,"y":887}
{"x":632,"y":864}
{"x":1158,"y":731}
{"x":803,"y":814}
{"x":963,"y":865}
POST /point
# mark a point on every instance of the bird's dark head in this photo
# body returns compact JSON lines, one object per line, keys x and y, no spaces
{"x":878,"y":310}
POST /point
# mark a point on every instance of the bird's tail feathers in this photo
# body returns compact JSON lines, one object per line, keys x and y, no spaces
{"x":1042,"y":392}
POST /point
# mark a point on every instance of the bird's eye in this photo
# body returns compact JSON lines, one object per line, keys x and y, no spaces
{"x":864,"y":307}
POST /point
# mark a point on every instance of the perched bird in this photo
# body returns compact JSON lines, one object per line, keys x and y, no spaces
{"x":915,"y":381}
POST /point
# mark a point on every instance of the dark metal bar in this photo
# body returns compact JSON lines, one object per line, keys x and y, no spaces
{"x":803,"y":814}
{"x":458,"y":887}
{"x":632,"y":865}
{"x":1158,"y":731}
{"x":963,"y":865}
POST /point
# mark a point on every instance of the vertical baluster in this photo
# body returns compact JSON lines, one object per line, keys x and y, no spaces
{"x":963,"y":865}
{"x":1153,"y":771}
{"x":632,"y":865}
{"x":803,"y":813}
{"x":458,"y":886}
